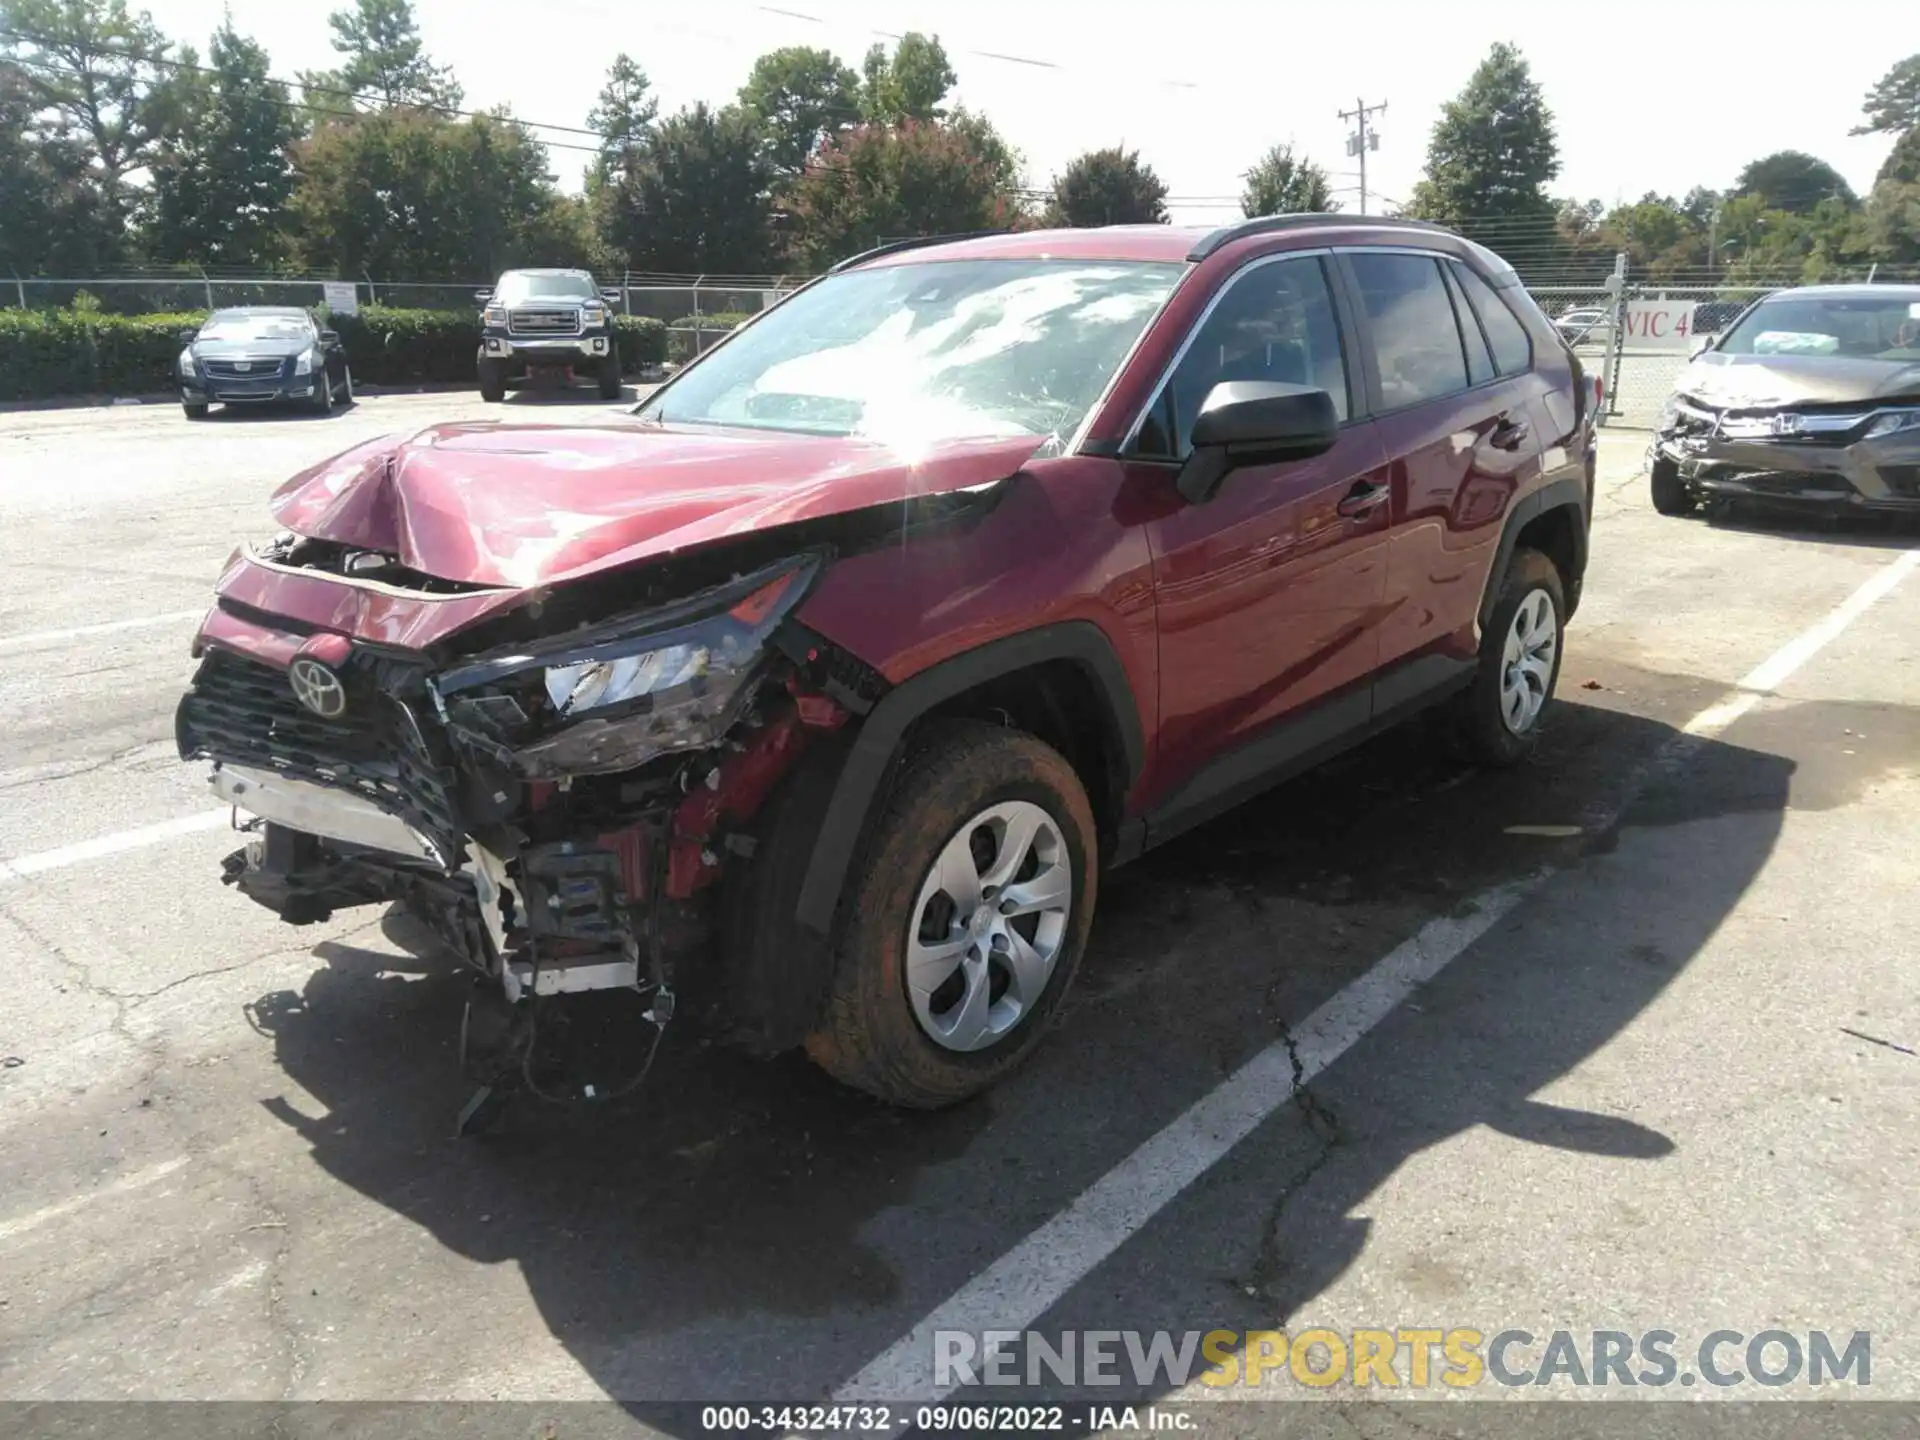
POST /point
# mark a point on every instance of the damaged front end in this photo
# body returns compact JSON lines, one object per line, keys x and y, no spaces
{"x":1843,"y":456}
{"x":555,"y":805}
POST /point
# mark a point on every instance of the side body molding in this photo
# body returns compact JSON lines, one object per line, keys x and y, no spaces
{"x":1077,"y":641}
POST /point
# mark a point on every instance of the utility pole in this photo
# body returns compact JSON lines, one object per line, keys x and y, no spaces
{"x":1362,"y":139}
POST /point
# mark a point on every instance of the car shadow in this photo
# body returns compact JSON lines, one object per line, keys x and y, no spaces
{"x":1881,"y":531}
{"x":736,"y":1190}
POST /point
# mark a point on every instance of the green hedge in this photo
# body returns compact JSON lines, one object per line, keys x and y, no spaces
{"x":48,"y":353}
{"x":719,"y":320}
{"x":45,"y":353}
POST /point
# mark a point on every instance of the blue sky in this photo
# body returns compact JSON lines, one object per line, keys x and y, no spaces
{"x":1646,"y":96}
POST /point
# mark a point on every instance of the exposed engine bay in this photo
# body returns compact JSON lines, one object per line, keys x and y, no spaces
{"x":556,"y":802}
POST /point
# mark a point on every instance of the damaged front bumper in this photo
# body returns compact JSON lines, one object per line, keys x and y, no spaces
{"x":558,"y":811}
{"x":1861,"y":459}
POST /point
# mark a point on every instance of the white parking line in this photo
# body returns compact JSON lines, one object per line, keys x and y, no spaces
{"x":1020,"y":1287}
{"x":33,"y":640}
{"x":139,"y":1180}
{"x":82,"y":851}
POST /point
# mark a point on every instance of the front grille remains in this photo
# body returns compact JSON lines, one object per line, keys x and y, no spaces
{"x":243,"y":712}
{"x":544,"y":321}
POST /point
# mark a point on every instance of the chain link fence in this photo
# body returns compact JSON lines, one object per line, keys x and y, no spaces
{"x":1637,"y":333}
{"x":700,"y":315}
{"x":1638,"y":337}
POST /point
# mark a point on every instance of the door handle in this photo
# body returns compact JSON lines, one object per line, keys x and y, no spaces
{"x":1509,"y":434}
{"x":1364,"y":497}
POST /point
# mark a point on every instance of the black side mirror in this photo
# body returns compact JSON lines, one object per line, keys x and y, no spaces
{"x":187,"y":337}
{"x":481,"y":297}
{"x":614,"y":297}
{"x":329,"y":337}
{"x":1255,"y":422}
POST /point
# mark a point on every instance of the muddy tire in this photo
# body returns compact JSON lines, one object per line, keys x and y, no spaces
{"x":1497,"y":719}
{"x":1671,"y":494}
{"x":493,"y":382}
{"x":996,"y":810}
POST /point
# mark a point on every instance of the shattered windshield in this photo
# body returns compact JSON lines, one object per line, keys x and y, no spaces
{"x":910,"y":353}
{"x":253,"y":328}
{"x":1860,"y":327}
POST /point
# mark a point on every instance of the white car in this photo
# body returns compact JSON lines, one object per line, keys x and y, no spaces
{"x":1586,"y":326}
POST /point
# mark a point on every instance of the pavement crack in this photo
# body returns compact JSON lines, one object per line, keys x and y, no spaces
{"x":1324,"y":1127}
{"x":77,"y":769}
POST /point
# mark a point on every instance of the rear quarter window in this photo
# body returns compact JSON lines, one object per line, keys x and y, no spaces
{"x":1512,"y":350}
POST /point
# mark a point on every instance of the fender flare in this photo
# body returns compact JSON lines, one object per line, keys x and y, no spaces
{"x":1567,"y":493}
{"x":874,"y":748}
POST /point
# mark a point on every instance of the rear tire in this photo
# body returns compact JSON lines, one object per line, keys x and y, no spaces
{"x":971,"y":800}
{"x":1671,"y":494}
{"x":493,"y":382}
{"x":1497,"y":719}
{"x":610,"y":385}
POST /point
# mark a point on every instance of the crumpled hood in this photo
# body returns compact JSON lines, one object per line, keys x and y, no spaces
{"x":523,"y":505}
{"x":1728,"y":382}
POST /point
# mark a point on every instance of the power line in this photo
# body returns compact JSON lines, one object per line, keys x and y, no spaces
{"x":1002,"y":56}
{"x":8,"y":33}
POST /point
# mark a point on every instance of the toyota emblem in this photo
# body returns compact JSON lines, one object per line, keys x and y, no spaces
{"x":318,"y":688}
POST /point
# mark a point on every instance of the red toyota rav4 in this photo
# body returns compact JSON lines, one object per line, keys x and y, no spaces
{"x":819,"y":692}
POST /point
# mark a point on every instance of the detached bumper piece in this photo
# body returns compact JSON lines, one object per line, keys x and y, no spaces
{"x":1855,"y":458}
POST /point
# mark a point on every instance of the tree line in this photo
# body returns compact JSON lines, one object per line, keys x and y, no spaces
{"x":1788,"y":216}
{"x":119,"y":144}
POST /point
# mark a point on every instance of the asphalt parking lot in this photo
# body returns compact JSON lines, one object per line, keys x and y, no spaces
{"x":1643,"y":1055}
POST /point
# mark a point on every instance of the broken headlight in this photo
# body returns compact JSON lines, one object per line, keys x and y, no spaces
{"x":1893,"y":422}
{"x":615,"y":695}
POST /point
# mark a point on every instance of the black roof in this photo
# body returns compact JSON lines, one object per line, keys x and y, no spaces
{"x":1307,"y":220}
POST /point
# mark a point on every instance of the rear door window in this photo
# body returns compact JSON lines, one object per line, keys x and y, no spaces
{"x":1416,"y":338}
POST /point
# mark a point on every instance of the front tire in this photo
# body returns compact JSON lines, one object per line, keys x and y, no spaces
{"x":610,"y":385}
{"x":1497,"y":719}
{"x":493,"y":382}
{"x":194,"y":410}
{"x":1671,"y":494}
{"x":965,"y":921}
{"x":322,"y":401}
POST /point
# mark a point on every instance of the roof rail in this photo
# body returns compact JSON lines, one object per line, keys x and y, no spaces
{"x":894,"y":246}
{"x":1268,"y":224}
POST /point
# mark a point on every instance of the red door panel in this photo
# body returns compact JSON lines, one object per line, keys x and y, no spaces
{"x":1268,"y":597}
{"x":1461,"y":461}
